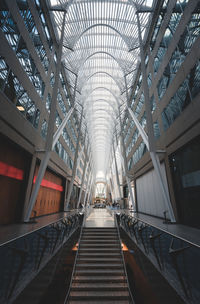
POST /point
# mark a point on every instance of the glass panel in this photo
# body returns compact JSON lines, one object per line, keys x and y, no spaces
{"x":31,"y":27}
{"x":153,"y":103}
{"x":58,"y":120}
{"x":191,"y":32}
{"x":137,"y":155}
{"x":195,"y":80}
{"x":149,"y":80}
{"x":169,"y":32}
{"x":163,"y":83}
{"x":13,"y":89}
{"x":17,"y":43}
{"x":8,"y":26}
{"x":157,"y":26}
{"x":143,"y":120}
{"x":72,"y":130}
{"x":44,"y":129}
{"x":156,"y":130}
{"x":3,"y":73}
{"x":61,"y":104}
{"x":44,"y":24}
{"x":177,"y":104}
{"x":48,"y":102}
{"x":132,"y":143}
{"x":68,"y":140}
{"x":52,"y":79}
{"x":139,"y":105}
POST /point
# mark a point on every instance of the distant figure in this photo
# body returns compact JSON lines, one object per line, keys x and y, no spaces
{"x":80,"y":206}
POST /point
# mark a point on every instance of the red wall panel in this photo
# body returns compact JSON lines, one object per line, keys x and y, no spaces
{"x":14,"y":166}
{"x":50,"y":196}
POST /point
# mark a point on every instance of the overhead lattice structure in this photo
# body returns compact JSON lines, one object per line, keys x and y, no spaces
{"x":100,"y":48}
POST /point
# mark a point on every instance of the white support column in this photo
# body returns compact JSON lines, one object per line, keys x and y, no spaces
{"x":139,"y":127}
{"x":82,"y":149}
{"x":112,"y":196}
{"x":91,"y":191}
{"x":90,"y":188}
{"x":29,"y":186}
{"x":128,"y":181}
{"x":51,"y":123}
{"x":83,"y":177}
{"x":61,"y":127}
{"x":86,"y":187}
{"x":113,"y":183}
{"x":125,"y":165}
{"x":74,"y":165}
{"x":117,"y":173}
{"x":151,"y":138}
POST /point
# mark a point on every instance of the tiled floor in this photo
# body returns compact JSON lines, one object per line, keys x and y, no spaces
{"x":100,"y":218}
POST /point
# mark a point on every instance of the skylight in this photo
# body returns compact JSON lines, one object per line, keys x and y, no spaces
{"x":100,"y":47}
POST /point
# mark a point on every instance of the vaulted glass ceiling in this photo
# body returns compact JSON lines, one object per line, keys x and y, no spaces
{"x":100,"y":48}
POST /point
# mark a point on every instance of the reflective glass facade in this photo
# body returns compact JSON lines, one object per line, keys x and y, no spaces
{"x":35,"y":58}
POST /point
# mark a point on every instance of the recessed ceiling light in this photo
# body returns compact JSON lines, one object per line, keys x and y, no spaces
{"x":20,"y":108}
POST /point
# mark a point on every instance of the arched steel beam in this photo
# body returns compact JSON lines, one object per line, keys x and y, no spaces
{"x":103,"y":134}
{"x":100,"y":182}
{"x":100,"y":121}
{"x":102,"y":142}
{"x":101,"y":110}
{"x":97,"y":118}
{"x":99,"y":124}
{"x":106,"y":101}
{"x":100,"y":136}
{"x":102,"y":146}
{"x":97,"y":137}
{"x":61,"y":7}
{"x":101,"y":24}
{"x":106,"y":73}
{"x":106,"y":89}
{"x":104,"y":130}
{"x":97,"y":110}
{"x":95,"y":53}
{"x":92,"y":111}
{"x":101,"y":52}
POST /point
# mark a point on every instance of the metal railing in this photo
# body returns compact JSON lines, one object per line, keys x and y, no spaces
{"x":176,"y":259}
{"x":122,"y":254}
{"x":21,"y":259}
{"x":86,"y":214}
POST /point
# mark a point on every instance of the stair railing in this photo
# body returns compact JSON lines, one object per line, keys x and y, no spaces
{"x":75,"y":260}
{"x":123,"y":261}
{"x":175,"y":258}
{"x":22,"y":258}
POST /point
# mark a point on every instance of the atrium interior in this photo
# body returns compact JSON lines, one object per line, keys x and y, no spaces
{"x":99,"y":151}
